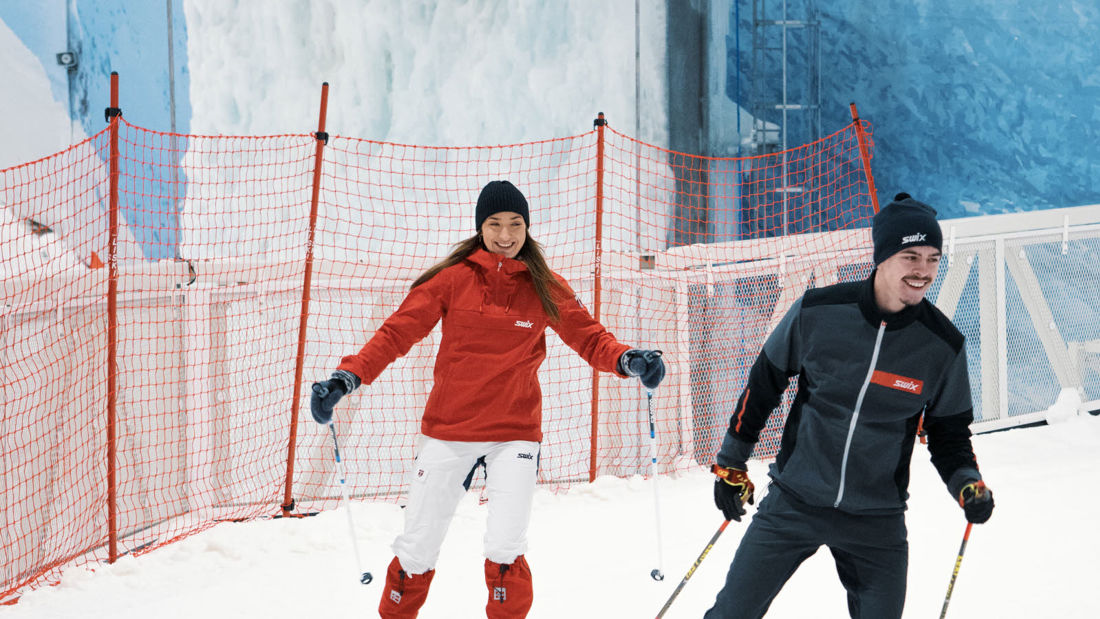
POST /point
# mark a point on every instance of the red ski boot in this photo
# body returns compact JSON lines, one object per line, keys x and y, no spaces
{"x":510,"y":590}
{"x":404,"y":593}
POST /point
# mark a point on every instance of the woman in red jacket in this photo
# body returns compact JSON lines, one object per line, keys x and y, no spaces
{"x":495,"y":295}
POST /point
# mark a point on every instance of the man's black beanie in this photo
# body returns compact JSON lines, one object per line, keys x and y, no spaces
{"x":902,"y":224}
{"x":499,"y":197}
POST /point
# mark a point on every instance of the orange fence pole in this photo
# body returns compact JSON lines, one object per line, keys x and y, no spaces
{"x":599,"y":123}
{"x":864,"y":155}
{"x":303,"y":320}
{"x":111,"y":114}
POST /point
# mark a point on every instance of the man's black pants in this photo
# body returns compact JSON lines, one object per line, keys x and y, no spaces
{"x":871,"y":553}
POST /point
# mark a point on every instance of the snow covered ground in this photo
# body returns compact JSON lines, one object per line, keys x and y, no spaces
{"x":592,"y":550}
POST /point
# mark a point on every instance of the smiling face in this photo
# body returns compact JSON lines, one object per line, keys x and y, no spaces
{"x":903,"y":279}
{"x":504,"y":233}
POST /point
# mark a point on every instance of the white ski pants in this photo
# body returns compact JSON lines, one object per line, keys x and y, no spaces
{"x":438,"y":481}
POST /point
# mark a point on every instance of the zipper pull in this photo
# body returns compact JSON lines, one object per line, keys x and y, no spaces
{"x":500,"y":265}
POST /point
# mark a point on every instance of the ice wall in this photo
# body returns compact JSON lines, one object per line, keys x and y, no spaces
{"x":979,"y":107}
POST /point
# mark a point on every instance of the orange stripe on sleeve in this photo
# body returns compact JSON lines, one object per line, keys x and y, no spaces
{"x":741,"y":413}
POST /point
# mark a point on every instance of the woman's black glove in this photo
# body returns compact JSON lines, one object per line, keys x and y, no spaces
{"x":328,"y":392}
{"x":645,"y":364}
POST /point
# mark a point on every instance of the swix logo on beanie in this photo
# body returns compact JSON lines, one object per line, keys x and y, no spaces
{"x":902,"y":224}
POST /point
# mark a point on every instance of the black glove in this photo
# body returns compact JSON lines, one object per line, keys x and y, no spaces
{"x":977,"y":502}
{"x":732,"y":490}
{"x":328,"y":392}
{"x":645,"y":364}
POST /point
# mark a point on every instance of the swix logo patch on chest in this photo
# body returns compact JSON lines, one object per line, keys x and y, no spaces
{"x":500,"y":594}
{"x":894,"y":381}
{"x":526,"y":324}
{"x":395,"y":596}
{"x":913,"y":238}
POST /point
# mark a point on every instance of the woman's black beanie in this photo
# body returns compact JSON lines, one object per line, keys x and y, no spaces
{"x":499,"y":197}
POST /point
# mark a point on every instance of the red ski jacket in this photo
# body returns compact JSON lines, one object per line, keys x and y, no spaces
{"x":486,"y":387}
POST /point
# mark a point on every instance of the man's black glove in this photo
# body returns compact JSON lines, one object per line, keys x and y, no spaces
{"x":645,"y":364}
{"x":977,"y":502}
{"x":732,"y":490}
{"x":328,"y":392}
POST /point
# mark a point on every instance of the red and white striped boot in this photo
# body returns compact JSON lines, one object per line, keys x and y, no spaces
{"x":510,"y":589}
{"x":404,"y":593}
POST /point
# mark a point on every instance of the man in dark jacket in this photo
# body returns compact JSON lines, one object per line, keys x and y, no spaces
{"x":872,"y":358}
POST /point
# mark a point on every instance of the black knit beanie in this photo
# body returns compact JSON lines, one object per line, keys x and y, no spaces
{"x":902,"y":224}
{"x":500,"y":197}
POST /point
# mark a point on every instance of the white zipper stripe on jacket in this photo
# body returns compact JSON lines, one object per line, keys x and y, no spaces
{"x":855,"y":413}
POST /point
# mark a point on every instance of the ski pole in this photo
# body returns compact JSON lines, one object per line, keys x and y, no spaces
{"x":656,"y":574}
{"x":694,"y":566}
{"x":365,"y":577}
{"x":955,"y":573}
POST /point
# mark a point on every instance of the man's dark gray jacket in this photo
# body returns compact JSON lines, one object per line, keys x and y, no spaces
{"x":864,"y":380}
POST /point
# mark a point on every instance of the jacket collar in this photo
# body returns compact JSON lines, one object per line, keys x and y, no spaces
{"x":495,"y":262}
{"x":870,"y":309}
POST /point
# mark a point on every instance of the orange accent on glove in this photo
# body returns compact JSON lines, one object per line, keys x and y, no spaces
{"x":971,"y":491}
{"x":738,"y":479}
{"x":977,"y":502}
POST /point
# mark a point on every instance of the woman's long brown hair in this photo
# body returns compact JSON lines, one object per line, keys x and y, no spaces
{"x":548,"y":288}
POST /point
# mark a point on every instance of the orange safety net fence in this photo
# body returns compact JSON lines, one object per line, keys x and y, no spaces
{"x":698,"y":257}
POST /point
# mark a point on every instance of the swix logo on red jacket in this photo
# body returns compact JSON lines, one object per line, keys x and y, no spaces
{"x":901,"y":383}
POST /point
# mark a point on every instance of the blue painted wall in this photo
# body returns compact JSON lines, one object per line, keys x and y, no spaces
{"x":132,"y":38}
{"x":978,"y":107}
